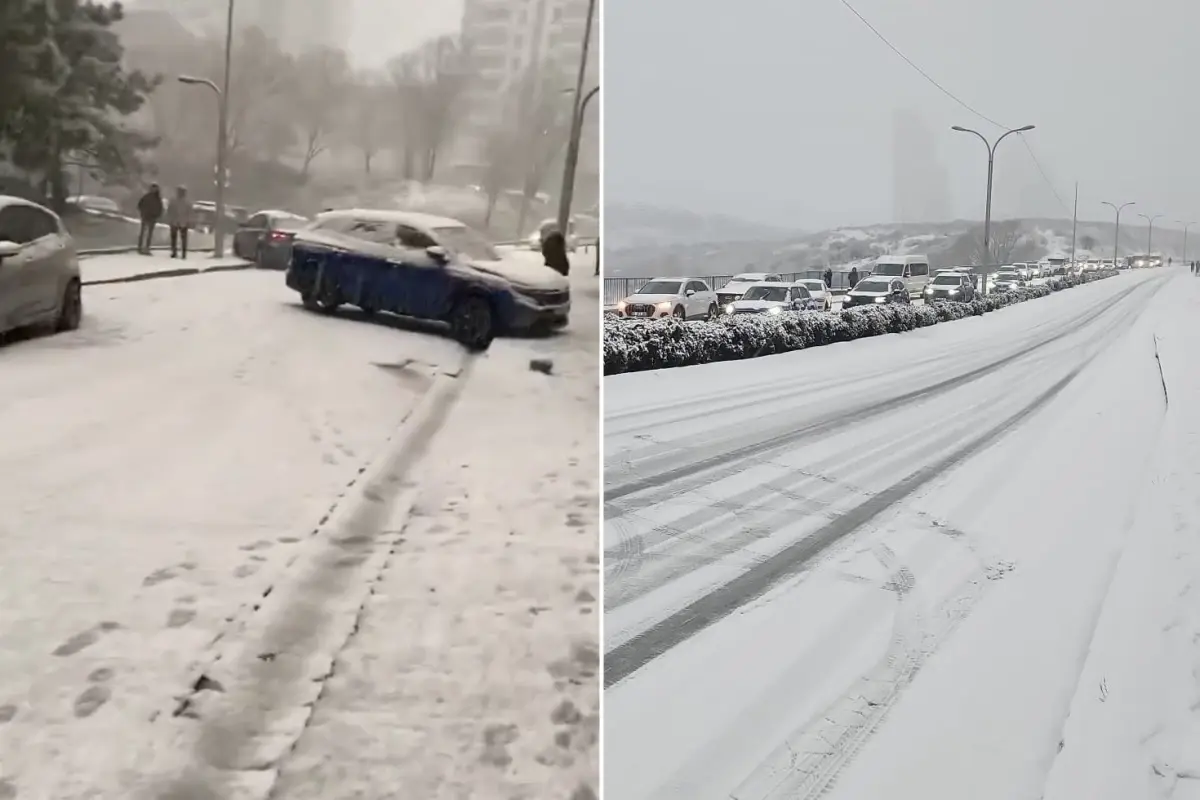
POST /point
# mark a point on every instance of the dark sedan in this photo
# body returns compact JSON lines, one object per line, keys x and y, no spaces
{"x":951,"y":286}
{"x":266,"y":238}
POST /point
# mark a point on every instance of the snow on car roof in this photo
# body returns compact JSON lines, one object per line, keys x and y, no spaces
{"x":809,"y":282}
{"x":749,"y":276}
{"x":13,"y":200}
{"x":414,"y":218}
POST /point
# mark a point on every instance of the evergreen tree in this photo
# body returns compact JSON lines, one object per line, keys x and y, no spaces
{"x":68,"y":94}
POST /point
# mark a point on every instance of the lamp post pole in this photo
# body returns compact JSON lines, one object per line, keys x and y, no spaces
{"x":1150,"y":231}
{"x":987,"y":213}
{"x":1117,"y":229}
{"x":580,"y":103}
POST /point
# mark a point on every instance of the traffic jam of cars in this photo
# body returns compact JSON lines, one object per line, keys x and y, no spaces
{"x":893,"y":279}
{"x":434,"y":269}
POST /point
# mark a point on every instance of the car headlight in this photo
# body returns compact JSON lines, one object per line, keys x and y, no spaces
{"x":775,"y":310}
{"x":880,"y":299}
{"x":729,"y":308}
{"x":954,"y":291}
{"x":621,"y":306}
{"x":664,"y":306}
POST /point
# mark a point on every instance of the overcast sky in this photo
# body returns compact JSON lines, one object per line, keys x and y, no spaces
{"x":780,"y":111}
{"x":383,"y":28}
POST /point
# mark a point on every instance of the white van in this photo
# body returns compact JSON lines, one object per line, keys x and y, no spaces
{"x":913,"y":270}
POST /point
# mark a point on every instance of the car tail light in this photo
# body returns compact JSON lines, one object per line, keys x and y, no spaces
{"x":279,"y":236}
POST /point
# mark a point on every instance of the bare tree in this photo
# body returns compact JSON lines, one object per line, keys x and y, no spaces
{"x":322,"y":79}
{"x":501,"y":149}
{"x":1003,"y":240}
{"x":430,"y":84}
{"x":1088,"y":242}
{"x":370,"y":117}
{"x":261,"y":100}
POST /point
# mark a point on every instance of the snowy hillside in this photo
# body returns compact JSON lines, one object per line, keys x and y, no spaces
{"x":946,"y":244}
{"x":631,"y":226}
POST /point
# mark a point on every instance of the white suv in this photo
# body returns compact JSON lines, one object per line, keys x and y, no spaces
{"x":682,"y":298}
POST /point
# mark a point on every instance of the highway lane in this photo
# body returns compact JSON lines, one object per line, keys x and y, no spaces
{"x":755,"y":510}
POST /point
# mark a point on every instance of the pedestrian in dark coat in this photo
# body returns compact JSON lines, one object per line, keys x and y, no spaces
{"x":853,"y":277}
{"x":597,"y":256}
{"x":828,"y":278}
{"x":150,"y":209}
{"x":554,"y":251}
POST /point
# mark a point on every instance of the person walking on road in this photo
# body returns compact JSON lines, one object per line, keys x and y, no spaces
{"x":828,"y":278}
{"x":554,"y":251}
{"x":853,"y":277}
{"x":597,"y":256}
{"x":150,"y":210}
{"x":179,"y":217}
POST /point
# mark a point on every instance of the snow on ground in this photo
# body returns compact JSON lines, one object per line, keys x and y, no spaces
{"x":126,"y":265}
{"x":162,"y":466}
{"x":799,"y":545}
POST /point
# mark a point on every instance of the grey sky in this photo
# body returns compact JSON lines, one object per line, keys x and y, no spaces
{"x":780,"y":111}
{"x":383,"y":28}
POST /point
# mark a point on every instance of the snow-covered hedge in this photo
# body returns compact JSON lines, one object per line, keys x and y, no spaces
{"x":633,"y":346}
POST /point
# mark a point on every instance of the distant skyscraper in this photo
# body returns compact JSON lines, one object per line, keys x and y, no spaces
{"x":920,"y":189}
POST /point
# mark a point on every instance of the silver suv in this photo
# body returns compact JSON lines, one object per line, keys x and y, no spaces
{"x":39,"y":269}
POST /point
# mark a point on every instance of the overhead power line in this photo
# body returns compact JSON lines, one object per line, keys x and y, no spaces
{"x":954,"y":97}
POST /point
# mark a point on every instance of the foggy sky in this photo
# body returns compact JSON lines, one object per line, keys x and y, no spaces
{"x":780,"y":111}
{"x":383,"y":28}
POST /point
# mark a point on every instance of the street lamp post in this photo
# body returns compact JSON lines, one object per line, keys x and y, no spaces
{"x":987,"y":213}
{"x":1185,"y":225}
{"x":222,"y":132}
{"x":1117,"y":231}
{"x":1150,"y":231}
{"x":578,"y":107}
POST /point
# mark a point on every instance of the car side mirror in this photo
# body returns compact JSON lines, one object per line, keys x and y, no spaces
{"x":438,"y":254}
{"x":8,"y":249}
{"x":689,"y":293}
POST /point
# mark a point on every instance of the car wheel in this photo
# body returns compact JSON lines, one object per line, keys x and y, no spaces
{"x":326,"y":299}
{"x":712,"y":312}
{"x":70,"y":313}
{"x":473,"y":323}
{"x":679,"y":313}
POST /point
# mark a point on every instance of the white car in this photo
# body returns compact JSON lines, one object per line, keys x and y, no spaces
{"x":1009,"y":279}
{"x":681,"y":298}
{"x":765,"y":297}
{"x":39,"y":269}
{"x":740,"y":283}
{"x":819,"y":291}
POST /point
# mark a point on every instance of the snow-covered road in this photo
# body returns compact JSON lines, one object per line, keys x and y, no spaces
{"x":921,"y":526}
{"x":163,"y":468}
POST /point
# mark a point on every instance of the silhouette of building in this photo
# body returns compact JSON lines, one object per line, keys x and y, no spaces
{"x":297,"y":25}
{"x":920,"y":185}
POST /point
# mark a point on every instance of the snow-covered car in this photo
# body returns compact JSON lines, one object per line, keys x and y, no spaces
{"x":956,"y":287}
{"x":738,"y":285}
{"x":802,"y":298}
{"x":818,"y":290}
{"x":537,"y":237}
{"x":266,"y":238}
{"x":682,"y":298}
{"x":762,"y":298}
{"x":422,"y":266}
{"x":94,"y":203}
{"x":872,"y":291}
{"x":39,"y":269}
{"x":1008,"y":279}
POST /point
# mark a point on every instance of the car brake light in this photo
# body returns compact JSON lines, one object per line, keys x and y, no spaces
{"x":279,"y":236}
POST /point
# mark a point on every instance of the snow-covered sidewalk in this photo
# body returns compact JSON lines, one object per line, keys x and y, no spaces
{"x":126,"y":267}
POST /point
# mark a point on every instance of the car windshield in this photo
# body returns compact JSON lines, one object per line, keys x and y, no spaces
{"x":947,"y":280}
{"x":466,"y":242}
{"x":892,"y":270}
{"x":778,"y":293}
{"x":1008,"y":276}
{"x":659,"y":287}
{"x":871,"y":286}
{"x":812,"y":286}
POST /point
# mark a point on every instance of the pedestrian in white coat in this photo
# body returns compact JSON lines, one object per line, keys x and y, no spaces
{"x":179,"y":217}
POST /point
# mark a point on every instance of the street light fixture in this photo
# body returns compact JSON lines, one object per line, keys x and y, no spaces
{"x":578,"y":107}
{"x":1117,"y":231}
{"x":1150,"y":231}
{"x":1185,"y":225}
{"x":987,"y":214}
{"x":222,"y":132}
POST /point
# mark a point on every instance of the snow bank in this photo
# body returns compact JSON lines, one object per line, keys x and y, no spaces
{"x":657,"y":344}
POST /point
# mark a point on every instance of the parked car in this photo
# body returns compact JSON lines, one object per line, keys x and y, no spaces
{"x":427,"y":267}
{"x":817,"y":288}
{"x":874,"y":290}
{"x":954,"y":286}
{"x":682,"y":298}
{"x":537,"y":237}
{"x":913,"y":270}
{"x":738,"y":285}
{"x":766,"y":297}
{"x":266,"y":238}
{"x":94,"y":203}
{"x":40,"y":284}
